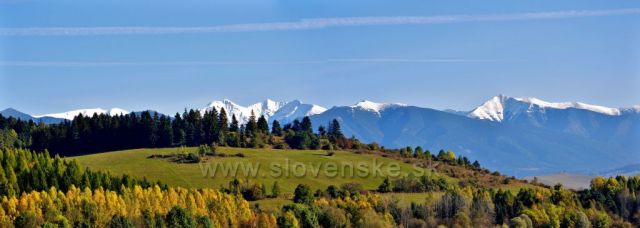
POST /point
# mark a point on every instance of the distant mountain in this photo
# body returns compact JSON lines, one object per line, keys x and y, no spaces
{"x":69,"y":115}
{"x":503,"y":108}
{"x":10,"y":112}
{"x":61,"y":117}
{"x":517,"y":136}
{"x":272,"y":110}
{"x":616,"y":126}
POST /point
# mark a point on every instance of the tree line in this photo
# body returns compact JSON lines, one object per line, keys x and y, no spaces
{"x":99,"y":133}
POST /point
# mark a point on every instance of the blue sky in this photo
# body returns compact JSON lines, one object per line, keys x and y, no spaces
{"x":168,"y":55}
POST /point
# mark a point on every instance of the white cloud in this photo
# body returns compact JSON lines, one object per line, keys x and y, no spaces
{"x":315,"y":23}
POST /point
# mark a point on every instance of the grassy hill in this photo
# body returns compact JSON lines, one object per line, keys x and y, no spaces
{"x":137,"y":163}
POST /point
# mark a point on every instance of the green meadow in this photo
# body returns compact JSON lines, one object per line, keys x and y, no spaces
{"x":289,"y":167}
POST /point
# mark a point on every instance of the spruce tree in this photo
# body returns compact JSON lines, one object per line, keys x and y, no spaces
{"x":276,"y":129}
{"x":306,"y":124}
{"x":334,"y":132}
{"x":223,"y":123}
{"x":235,"y":126}
{"x":263,"y":126}
{"x":251,"y":127}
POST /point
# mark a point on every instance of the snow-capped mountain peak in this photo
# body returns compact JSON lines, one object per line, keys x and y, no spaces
{"x":85,"y":112}
{"x":270,"y":109}
{"x":497,"y":107}
{"x":266,"y":108}
{"x":374,"y":106}
{"x":493,"y":109}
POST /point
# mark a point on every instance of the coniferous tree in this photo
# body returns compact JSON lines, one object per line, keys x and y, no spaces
{"x":251,"y":128}
{"x":235,"y":126}
{"x":215,"y":127}
{"x":178,"y":130}
{"x":223,"y":126}
{"x":322,"y":132}
{"x":263,"y":126}
{"x":334,"y":131}
{"x":306,"y":124}
{"x":275,"y":128}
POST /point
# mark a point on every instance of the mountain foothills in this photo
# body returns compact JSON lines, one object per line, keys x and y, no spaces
{"x":521,"y":137}
{"x":518,"y":136}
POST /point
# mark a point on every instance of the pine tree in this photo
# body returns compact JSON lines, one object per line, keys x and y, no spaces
{"x":334,"y":131}
{"x":276,"y":129}
{"x":251,"y":128}
{"x":235,"y":126}
{"x":306,"y":125}
{"x":223,"y":122}
{"x":322,"y":131}
{"x":263,"y":126}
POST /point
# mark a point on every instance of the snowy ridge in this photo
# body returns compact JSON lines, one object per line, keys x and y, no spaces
{"x":497,"y":107}
{"x":375,"y":107}
{"x":85,"y":112}
{"x":490,"y":110}
{"x":565,"y":105}
{"x":281,"y":111}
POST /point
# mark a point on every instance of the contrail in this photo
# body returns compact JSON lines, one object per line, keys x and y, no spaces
{"x":308,"y":24}
{"x":222,"y":63}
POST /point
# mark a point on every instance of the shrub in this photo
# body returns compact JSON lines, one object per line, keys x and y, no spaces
{"x":385,"y":186}
{"x":351,"y":187}
{"x":204,"y":150}
{"x":333,"y":217}
{"x":253,"y":192}
{"x":288,"y":220}
{"x":192,"y":158}
{"x":303,"y":194}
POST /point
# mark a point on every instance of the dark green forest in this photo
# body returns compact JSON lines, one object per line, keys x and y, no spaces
{"x":99,"y":133}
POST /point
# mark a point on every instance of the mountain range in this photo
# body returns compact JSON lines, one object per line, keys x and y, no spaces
{"x":284,"y":112}
{"x":517,"y":136}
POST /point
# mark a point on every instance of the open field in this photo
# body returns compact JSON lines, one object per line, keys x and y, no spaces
{"x":136,"y":163}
